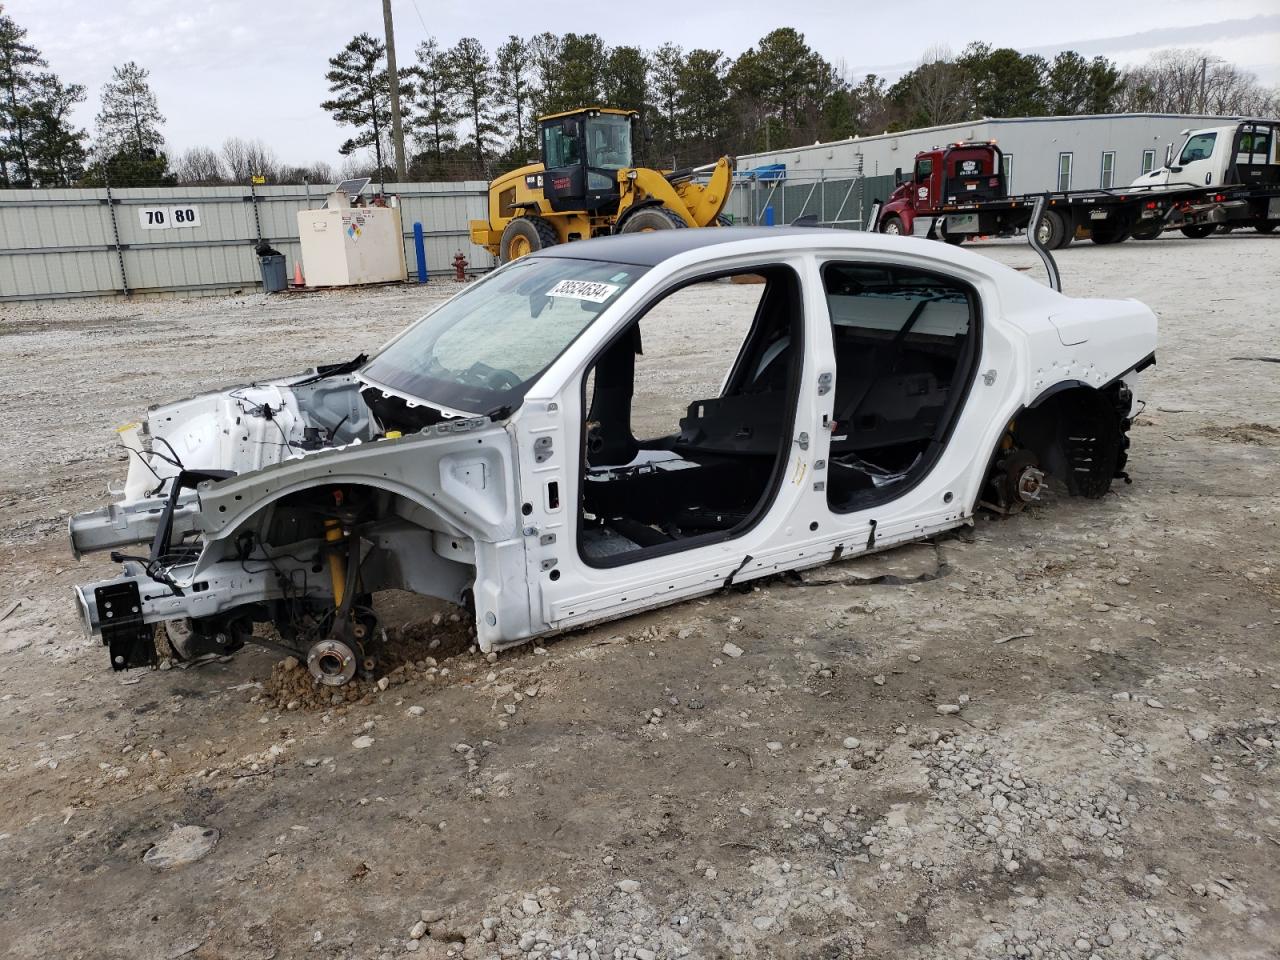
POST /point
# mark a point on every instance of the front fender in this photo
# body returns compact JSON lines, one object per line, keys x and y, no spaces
{"x":899,"y":209}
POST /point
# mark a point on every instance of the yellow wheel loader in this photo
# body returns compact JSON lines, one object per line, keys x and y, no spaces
{"x":585,"y":186}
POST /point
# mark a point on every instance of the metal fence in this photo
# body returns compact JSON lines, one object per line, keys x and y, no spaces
{"x":837,"y":199}
{"x":59,"y":244}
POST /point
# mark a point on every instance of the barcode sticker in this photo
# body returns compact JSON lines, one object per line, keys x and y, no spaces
{"x":584,"y":290}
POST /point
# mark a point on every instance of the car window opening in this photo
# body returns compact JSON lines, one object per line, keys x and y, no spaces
{"x":679,"y":455}
{"x":903,"y":343}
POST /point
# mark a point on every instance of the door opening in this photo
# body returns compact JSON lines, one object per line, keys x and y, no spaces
{"x":689,"y":414}
{"x":905,"y":344}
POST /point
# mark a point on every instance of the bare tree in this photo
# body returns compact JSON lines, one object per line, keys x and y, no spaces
{"x":249,"y":158}
{"x":934,"y":92}
{"x":1194,"y":81}
{"x":200,"y":165}
{"x":318,"y":172}
{"x":356,"y":165}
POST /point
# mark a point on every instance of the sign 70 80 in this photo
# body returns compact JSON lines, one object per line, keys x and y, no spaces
{"x":165,"y":218}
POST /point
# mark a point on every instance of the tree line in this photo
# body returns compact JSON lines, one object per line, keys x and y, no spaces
{"x":471,"y":113}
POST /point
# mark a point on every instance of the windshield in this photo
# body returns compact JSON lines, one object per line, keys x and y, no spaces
{"x":609,"y":142}
{"x":1198,"y":147}
{"x":484,"y":348}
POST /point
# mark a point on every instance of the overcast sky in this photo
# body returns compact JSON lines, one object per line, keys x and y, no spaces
{"x":251,"y":68}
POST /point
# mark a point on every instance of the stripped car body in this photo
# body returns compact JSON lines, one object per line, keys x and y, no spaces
{"x":886,"y":388}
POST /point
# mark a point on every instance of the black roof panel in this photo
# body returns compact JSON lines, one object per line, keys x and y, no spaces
{"x":650,"y":249}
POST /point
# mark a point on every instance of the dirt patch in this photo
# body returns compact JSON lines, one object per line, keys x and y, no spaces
{"x":406,"y":652}
{"x":632,"y":790}
{"x":1255,"y":433}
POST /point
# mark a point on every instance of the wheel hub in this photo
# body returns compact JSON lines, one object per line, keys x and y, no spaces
{"x":332,"y":662}
{"x":1029,"y":483}
{"x":1016,"y":481}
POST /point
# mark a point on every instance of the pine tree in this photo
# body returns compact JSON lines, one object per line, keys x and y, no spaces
{"x":57,"y":147}
{"x":544,"y":59}
{"x":473,"y":75}
{"x":437,"y":106}
{"x":18,"y":63}
{"x":581,"y":71}
{"x":665,"y":85}
{"x":514,"y":94}
{"x":129,"y":120}
{"x":362,"y":95}
{"x":625,"y":85}
{"x":701,"y":99}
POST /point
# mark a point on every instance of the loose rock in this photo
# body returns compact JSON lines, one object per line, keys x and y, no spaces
{"x":184,"y":844}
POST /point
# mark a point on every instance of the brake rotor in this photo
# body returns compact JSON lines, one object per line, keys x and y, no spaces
{"x":1018,"y":481}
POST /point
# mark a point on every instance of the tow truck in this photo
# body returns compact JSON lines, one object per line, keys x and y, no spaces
{"x":959,"y":192}
{"x":1244,"y":156}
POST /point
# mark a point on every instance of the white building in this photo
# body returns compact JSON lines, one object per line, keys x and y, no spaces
{"x":1041,"y":153}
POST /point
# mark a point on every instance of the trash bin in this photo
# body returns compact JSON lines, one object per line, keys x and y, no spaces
{"x":274,"y":277}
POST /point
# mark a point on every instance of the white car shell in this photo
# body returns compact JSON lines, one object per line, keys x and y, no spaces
{"x":469,"y":513}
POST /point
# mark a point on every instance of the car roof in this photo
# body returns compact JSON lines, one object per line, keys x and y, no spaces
{"x":1017,"y":289}
{"x":650,"y":249}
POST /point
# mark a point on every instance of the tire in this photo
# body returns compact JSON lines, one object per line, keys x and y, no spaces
{"x":1109,"y":234}
{"x":1267,"y":227}
{"x":1149,"y":231}
{"x":955,"y":239}
{"x":648,"y":219}
{"x":526,"y":235}
{"x":1053,"y":233}
{"x":723,"y":220}
{"x":892,"y":225}
{"x":1199,"y":231}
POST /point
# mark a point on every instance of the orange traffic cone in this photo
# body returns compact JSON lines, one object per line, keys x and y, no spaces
{"x":297,"y":274}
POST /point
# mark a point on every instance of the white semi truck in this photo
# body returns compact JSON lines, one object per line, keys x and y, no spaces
{"x":1243,"y":158}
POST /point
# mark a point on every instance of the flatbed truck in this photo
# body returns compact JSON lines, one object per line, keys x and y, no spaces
{"x":959,"y":192}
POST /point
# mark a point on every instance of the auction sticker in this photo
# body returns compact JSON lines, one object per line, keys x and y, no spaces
{"x":584,"y":290}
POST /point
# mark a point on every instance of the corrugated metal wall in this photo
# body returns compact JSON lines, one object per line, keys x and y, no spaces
{"x":61,"y":244}
{"x":58,"y":244}
{"x":1034,"y":143}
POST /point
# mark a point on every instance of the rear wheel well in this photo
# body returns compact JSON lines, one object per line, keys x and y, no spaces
{"x":1075,"y":434}
{"x":1080,"y":436}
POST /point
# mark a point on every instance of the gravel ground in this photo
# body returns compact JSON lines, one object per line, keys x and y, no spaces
{"x":762,"y":773}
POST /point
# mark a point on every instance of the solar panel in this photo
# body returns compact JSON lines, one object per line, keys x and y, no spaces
{"x":353,"y":188}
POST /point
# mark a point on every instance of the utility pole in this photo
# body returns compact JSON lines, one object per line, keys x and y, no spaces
{"x":1204,"y":69}
{"x":397,"y":131}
